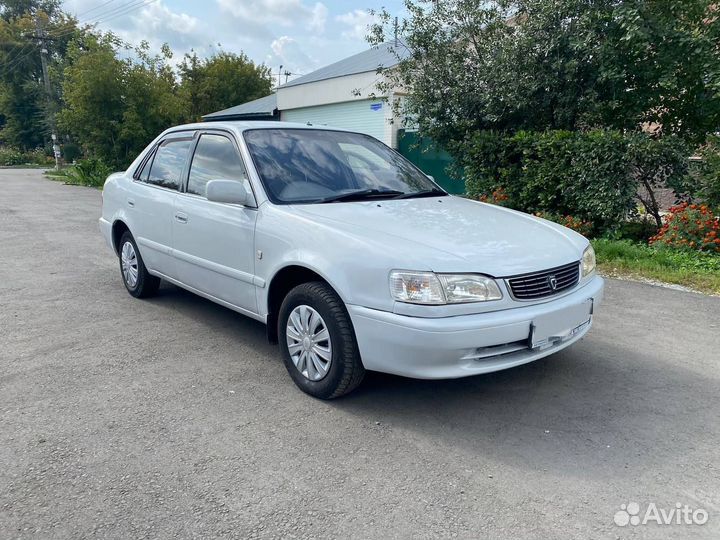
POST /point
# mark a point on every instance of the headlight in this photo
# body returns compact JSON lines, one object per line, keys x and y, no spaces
{"x":416,"y":287}
{"x":430,"y":288}
{"x":588,"y":261}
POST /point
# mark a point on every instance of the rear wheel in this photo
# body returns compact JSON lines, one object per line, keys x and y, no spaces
{"x":318,"y":341}
{"x":136,"y":278}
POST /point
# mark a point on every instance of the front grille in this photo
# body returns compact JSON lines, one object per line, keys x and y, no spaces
{"x":540,"y":284}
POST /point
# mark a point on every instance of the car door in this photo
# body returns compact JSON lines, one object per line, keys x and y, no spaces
{"x":151,"y":203}
{"x":214,"y":242}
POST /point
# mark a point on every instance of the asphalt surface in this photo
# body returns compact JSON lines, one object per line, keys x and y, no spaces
{"x":173,"y":417}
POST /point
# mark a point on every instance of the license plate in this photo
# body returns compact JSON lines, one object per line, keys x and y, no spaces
{"x":558,"y":326}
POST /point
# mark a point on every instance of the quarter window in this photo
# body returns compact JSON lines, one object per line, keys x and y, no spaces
{"x":145,"y":172}
{"x":168,"y":164}
{"x":216,"y":158}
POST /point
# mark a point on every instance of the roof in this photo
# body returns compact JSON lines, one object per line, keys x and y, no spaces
{"x":384,"y":55}
{"x":264,"y":106}
{"x":238,"y":126}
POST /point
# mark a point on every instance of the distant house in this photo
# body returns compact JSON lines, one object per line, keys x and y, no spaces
{"x":344,"y":94}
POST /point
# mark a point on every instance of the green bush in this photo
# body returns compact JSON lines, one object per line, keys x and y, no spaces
{"x":593,"y":176}
{"x":640,"y":230}
{"x":659,"y":163}
{"x":707,"y":174}
{"x":11,"y":157}
{"x":88,"y":172}
{"x":71,"y":152}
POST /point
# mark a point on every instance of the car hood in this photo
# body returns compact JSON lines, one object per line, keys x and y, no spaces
{"x":453,"y":234}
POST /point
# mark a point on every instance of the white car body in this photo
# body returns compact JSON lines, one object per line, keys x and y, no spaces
{"x":235,"y":255}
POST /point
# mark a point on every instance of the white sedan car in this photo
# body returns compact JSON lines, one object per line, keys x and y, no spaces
{"x":353,"y":258}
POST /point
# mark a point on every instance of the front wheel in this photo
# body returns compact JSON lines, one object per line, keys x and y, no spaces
{"x":138,"y":281}
{"x":318,"y":342}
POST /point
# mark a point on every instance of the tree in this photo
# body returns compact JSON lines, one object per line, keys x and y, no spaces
{"x":114,"y":107}
{"x":567,"y":64}
{"x":24,"y":111}
{"x":221,"y":81}
{"x":13,"y":9}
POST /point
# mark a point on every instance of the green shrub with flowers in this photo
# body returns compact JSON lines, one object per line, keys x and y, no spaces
{"x":690,"y":226}
{"x":583,"y":227}
{"x":12,"y":157}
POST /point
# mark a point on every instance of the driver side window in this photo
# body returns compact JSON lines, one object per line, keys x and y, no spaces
{"x":215,"y":158}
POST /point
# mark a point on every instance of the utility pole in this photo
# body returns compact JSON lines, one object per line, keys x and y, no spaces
{"x":279,"y":75}
{"x":50,"y":109}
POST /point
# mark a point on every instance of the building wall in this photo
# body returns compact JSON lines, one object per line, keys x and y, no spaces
{"x":364,"y":116}
{"x":358,"y":86}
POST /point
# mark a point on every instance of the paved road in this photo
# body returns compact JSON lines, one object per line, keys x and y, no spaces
{"x":174,"y":418}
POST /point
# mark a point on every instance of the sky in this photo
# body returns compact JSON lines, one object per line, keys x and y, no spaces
{"x":300,"y":35}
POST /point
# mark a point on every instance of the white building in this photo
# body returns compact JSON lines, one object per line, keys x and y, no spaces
{"x":347,"y":94}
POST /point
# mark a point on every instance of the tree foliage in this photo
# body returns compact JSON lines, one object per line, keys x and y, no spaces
{"x":23,"y":100}
{"x":563,"y":64}
{"x":221,"y":81}
{"x":108,"y":97}
{"x":707,"y":174}
{"x":114,"y":106}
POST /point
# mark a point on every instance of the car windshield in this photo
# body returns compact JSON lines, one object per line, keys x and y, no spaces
{"x":318,"y":166}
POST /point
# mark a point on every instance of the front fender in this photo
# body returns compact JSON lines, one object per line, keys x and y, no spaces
{"x":357,"y":268}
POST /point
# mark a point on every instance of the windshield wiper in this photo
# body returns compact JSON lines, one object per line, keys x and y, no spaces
{"x":423,"y":193}
{"x":360,"y":195}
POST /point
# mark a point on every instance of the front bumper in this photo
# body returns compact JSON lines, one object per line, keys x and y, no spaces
{"x":452,"y":347}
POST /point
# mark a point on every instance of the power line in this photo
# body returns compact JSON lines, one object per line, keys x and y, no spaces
{"x":118,"y":11}
{"x":98,"y":18}
{"x":105,"y":16}
{"x":19,"y":57}
{"x":94,"y":9}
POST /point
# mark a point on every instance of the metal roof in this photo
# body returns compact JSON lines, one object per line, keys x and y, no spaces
{"x":264,"y":106}
{"x":384,"y":55}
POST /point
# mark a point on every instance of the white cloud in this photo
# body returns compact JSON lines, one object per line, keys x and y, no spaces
{"x":158,"y":17}
{"x":319,"y":18}
{"x":286,"y":51}
{"x":157,"y":24}
{"x":285,"y":13}
{"x":357,"y":22}
{"x":279,"y":45}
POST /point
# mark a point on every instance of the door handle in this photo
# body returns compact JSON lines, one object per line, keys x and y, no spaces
{"x":131,"y":202}
{"x":181,"y":218}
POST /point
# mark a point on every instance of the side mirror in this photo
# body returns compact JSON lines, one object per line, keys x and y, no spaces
{"x":431,"y":177}
{"x":229,"y":191}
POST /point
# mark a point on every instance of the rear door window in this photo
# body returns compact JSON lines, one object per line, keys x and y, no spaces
{"x":169,"y":163}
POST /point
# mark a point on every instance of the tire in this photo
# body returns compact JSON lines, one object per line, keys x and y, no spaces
{"x":345,"y":370}
{"x":144,"y":285}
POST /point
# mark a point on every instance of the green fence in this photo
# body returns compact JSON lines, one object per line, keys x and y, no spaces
{"x":431,"y":159}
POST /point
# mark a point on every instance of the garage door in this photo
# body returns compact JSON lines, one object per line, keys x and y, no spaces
{"x":363,"y":116}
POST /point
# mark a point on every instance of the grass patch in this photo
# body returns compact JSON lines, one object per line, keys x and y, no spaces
{"x":87,"y":172}
{"x":699,"y":271}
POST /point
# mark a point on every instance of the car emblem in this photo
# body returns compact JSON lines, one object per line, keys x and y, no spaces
{"x":552,"y":281}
